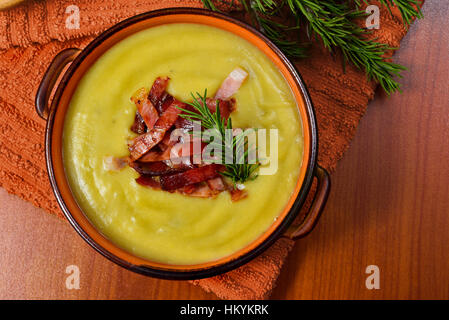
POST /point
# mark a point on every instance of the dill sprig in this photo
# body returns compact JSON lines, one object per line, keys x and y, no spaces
{"x":332,"y":21}
{"x":237,"y":169}
{"x":334,"y":24}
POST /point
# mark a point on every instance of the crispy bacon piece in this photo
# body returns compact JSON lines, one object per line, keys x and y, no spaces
{"x":237,"y":194}
{"x":148,"y":181}
{"x":111,"y":163}
{"x":145,"y":107}
{"x":164,"y":102}
{"x":182,"y":123}
{"x":160,"y":98}
{"x":144,"y":143}
{"x":199,"y":190}
{"x":179,"y":180}
{"x":231,"y":84}
{"x":166,"y":143}
{"x":153,"y":156}
{"x":173,"y":152}
{"x":168,"y":118}
{"x":226,"y":106}
{"x":157,"y":168}
{"x":216,"y":184}
{"x":163,"y":152}
{"x":186,"y":149}
{"x":181,"y":165}
{"x":202,"y":190}
{"x":187,"y":189}
{"x":138,"y":125}
{"x":158,"y":89}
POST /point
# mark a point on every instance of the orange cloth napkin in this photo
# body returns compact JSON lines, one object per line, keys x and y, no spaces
{"x":31,"y":34}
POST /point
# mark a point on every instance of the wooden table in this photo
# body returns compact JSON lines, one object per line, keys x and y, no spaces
{"x":389,"y":207}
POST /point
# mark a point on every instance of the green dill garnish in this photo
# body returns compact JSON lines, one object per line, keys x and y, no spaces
{"x":332,"y":21}
{"x":238,"y":169}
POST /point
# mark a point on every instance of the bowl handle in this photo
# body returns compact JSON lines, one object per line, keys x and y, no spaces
{"x":317,"y":206}
{"x":50,"y":76}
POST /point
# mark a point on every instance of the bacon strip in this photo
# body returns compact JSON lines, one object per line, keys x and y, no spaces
{"x":237,"y":194}
{"x":187,"y":148}
{"x":182,"y":123}
{"x":153,"y":156}
{"x":158,"y":89}
{"x":200,"y":190}
{"x":144,"y":143}
{"x":179,"y":180}
{"x":175,"y":151}
{"x":145,"y":107}
{"x":157,"y":168}
{"x":187,"y":189}
{"x":231,"y":84}
{"x":226,"y":106}
{"x":138,"y":125}
{"x":111,"y":163}
{"x":164,"y":102}
{"x":216,"y":184}
{"x":166,"y":143}
{"x":148,"y":181}
{"x":169,"y":116}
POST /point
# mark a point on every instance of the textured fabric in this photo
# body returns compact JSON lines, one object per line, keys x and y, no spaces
{"x":33,"y":33}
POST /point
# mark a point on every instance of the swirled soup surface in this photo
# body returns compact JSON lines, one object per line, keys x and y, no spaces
{"x":170,"y":227}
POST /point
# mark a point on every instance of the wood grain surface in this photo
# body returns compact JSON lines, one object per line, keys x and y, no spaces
{"x":389,"y":207}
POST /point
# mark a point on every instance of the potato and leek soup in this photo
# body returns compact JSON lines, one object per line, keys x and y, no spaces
{"x":118,"y":151}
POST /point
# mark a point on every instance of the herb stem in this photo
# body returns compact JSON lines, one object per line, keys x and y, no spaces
{"x":238,"y":170}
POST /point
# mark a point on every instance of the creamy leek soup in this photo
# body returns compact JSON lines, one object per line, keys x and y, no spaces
{"x":171,"y":227}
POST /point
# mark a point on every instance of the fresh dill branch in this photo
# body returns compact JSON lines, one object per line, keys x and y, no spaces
{"x":238,"y":170}
{"x":332,"y":21}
